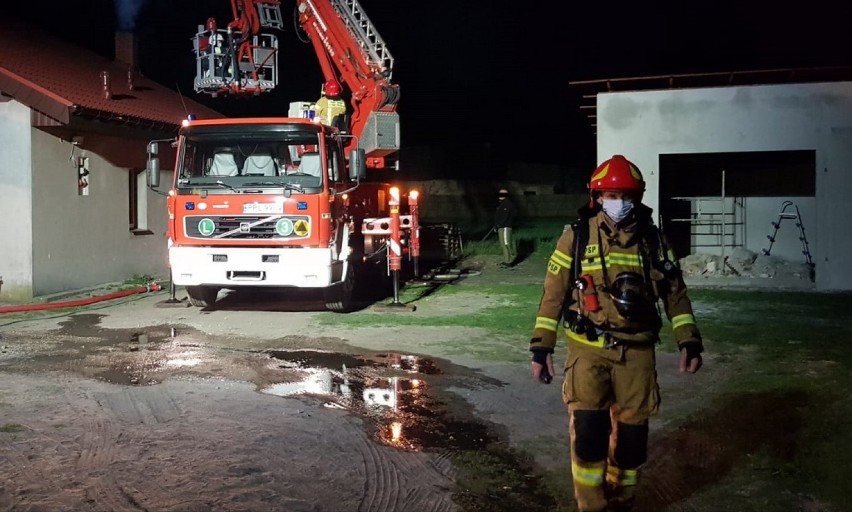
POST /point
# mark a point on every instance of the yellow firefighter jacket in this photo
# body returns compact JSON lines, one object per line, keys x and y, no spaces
{"x":328,"y":109}
{"x":611,"y":250}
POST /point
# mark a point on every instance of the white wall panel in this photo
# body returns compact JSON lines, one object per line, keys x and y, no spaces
{"x":645,"y":124}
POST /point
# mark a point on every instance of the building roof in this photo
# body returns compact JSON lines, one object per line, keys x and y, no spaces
{"x":60,"y":81}
{"x":589,"y":89}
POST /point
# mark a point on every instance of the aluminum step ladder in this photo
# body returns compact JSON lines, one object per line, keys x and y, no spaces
{"x":364,"y":32}
{"x":792,"y":214}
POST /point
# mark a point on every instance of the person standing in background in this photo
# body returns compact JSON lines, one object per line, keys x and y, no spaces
{"x":504,"y":218}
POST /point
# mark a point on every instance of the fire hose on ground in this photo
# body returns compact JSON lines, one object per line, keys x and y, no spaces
{"x":153,"y":287}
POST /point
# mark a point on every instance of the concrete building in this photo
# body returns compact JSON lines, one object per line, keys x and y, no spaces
{"x":724,"y":160}
{"x":74,"y":127}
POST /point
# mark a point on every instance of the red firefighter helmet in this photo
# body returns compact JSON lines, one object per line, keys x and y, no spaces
{"x":617,"y":173}
{"x":332,"y":88}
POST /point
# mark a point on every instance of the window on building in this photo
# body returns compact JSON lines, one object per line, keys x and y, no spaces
{"x":138,"y":202}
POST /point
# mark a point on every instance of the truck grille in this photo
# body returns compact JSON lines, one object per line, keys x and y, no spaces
{"x":247,"y":227}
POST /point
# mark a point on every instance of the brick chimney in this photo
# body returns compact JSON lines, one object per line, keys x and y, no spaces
{"x":125,"y":47}
{"x":125,"y":53}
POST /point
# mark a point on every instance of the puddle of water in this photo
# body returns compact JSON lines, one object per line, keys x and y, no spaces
{"x":316,"y":382}
{"x":122,"y":356}
{"x":143,"y":368}
{"x":399,"y":395}
{"x":395,"y":391}
{"x":315,"y":359}
{"x":392,"y":390}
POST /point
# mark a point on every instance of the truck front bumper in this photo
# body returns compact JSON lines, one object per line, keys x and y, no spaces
{"x":250,"y":266}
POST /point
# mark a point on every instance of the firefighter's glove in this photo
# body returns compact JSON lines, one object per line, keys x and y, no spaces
{"x":690,"y":356}
{"x":542,"y":364}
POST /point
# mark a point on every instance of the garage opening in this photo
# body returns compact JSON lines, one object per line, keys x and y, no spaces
{"x":715,"y":202}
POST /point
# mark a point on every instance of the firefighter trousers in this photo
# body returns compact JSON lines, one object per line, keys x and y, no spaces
{"x":610,"y":394}
{"x":507,"y":245}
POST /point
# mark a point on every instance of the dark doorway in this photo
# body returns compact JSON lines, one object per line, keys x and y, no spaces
{"x":745,"y":174}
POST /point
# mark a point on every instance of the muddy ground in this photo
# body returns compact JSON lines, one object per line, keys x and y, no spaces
{"x":144,"y":405}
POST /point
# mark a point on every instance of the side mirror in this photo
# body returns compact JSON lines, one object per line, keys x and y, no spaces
{"x":357,"y":164}
{"x":153,"y":165}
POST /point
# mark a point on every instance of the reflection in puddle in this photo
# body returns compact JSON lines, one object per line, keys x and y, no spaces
{"x":125,"y":356}
{"x":185,"y":359}
{"x":317,"y":382}
{"x":144,"y":365}
{"x":390,"y":389}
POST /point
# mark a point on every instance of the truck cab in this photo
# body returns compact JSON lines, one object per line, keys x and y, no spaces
{"x":261,"y":202}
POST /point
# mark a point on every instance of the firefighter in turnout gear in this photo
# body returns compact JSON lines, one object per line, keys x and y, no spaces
{"x":331,"y":108}
{"x":604,"y":282}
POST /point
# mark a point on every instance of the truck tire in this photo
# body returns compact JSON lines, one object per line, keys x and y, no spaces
{"x":338,"y":297}
{"x":202,"y":296}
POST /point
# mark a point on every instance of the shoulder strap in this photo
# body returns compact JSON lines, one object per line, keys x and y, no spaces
{"x":581,"y":240}
{"x":664,"y":261}
{"x":580,"y":227}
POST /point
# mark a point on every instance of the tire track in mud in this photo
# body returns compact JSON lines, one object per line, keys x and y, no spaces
{"x":100,"y":445}
{"x":143,"y":405}
{"x":25,"y":474}
{"x":98,"y":449}
{"x":20,"y":469}
{"x":388,"y":486}
{"x":375,"y":474}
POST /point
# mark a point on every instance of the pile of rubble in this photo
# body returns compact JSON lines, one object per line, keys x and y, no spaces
{"x":742,"y":263}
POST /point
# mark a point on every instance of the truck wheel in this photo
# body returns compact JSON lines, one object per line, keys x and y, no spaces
{"x":202,"y":296}
{"x":338,"y":297}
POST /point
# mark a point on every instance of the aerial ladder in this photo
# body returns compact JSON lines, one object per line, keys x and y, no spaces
{"x":244,"y":60}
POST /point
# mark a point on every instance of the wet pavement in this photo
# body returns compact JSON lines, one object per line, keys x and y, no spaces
{"x":402,"y":396}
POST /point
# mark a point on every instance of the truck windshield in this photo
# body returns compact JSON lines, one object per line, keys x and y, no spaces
{"x":228,"y":163}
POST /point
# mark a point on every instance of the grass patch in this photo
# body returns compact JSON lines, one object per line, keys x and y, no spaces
{"x":815,"y":323}
{"x":506,"y":322}
{"x":790,"y":350}
{"x":510,"y":314}
{"x":138,"y":280}
{"x":9,"y":428}
{"x":531,"y":239}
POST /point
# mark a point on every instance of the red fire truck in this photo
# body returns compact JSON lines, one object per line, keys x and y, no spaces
{"x":286,"y":201}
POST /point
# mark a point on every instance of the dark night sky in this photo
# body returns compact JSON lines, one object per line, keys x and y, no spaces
{"x":479,"y":70}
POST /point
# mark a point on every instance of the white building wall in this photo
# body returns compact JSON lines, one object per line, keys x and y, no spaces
{"x":81,"y":241}
{"x":817,"y":117}
{"x":16,"y":262}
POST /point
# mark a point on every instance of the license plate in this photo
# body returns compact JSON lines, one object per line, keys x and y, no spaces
{"x":263,"y":208}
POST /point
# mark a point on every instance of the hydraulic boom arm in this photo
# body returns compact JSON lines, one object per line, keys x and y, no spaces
{"x":347,"y":45}
{"x":350,"y":49}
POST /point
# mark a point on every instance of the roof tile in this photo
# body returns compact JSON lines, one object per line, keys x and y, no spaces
{"x":33,"y":59}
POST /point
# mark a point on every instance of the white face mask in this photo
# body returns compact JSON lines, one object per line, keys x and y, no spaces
{"x":617,"y":209}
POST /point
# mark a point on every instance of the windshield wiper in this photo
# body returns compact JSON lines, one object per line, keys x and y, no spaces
{"x":218,"y":183}
{"x":288,"y":186}
{"x":223,"y":184}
